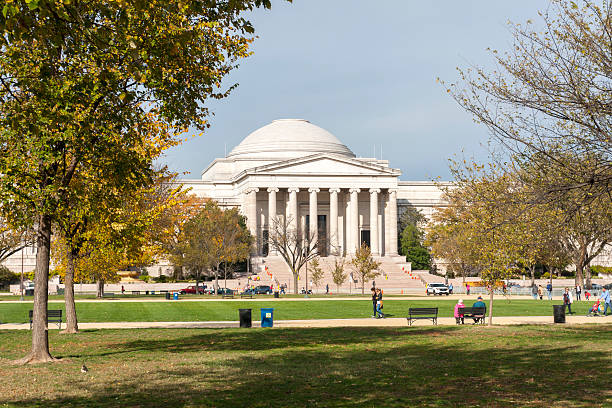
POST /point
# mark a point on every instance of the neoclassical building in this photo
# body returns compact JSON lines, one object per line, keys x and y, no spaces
{"x":296,"y":171}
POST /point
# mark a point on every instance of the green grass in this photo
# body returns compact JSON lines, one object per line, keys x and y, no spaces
{"x":526,"y":366}
{"x":289,"y":310}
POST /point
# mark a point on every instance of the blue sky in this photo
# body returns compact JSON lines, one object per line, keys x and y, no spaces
{"x":365,"y":71}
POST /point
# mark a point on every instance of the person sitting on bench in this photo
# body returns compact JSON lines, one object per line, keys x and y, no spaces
{"x":459,"y":315}
{"x":478,"y":303}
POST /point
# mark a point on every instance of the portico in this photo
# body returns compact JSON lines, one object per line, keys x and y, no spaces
{"x":337,"y":218}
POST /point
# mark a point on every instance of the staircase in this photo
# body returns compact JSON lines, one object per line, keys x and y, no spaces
{"x":396,"y":275}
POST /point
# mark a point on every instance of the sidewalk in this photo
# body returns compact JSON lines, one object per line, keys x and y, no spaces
{"x":365,"y":322}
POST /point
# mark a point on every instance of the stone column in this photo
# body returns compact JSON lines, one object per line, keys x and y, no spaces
{"x":333,"y":220}
{"x":392,"y":222}
{"x":292,"y":217}
{"x":374,"y":243}
{"x":353,"y":229}
{"x":313,"y":232}
{"x":252,"y":215}
{"x":272,"y":219}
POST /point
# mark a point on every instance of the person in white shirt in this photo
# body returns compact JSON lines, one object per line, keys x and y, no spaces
{"x":568,"y":300}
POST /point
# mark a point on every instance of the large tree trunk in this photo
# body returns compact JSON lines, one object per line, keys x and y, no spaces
{"x":532,"y":272}
{"x":588,"y":275}
{"x":40,"y":334}
{"x":100,"y":288}
{"x":295,"y":283}
{"x":363,"y":285}
{"x":491,"y":306}
{"x":580,"y":262}
{"x":71,"y":316}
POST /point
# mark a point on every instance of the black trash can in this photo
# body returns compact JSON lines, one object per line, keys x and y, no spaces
{"x":276,"y":295}
{"x":29,"y":292}
{"x":245,"y":317}
{"x":559,"y":313}
{"x":167,"y":295}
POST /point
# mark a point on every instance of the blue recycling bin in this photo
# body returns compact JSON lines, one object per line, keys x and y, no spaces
{"x":267,"y":317}
{"x":175,"y":295}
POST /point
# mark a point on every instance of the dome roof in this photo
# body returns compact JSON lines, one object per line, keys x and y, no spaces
{"x":289,"y":138}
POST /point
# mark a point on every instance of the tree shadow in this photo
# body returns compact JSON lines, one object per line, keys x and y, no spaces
{"x":390,"y":367}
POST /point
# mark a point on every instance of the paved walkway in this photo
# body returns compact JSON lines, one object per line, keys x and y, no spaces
{"x":367,"y":322}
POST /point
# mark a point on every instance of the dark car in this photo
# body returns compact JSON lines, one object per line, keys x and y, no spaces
{"x":225,"y":291}
{"x":259,"y":290}
{"x":192,"y":290}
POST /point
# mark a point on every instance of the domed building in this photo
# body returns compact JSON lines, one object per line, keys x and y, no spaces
{"x":296,"y":171}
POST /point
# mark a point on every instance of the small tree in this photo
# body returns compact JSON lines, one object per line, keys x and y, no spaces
{"x":295,"y":248}
{"x":365,"y":266}
{"x":411,"y":245}
{"x":338,"y":275}
{"x":317,"y":272}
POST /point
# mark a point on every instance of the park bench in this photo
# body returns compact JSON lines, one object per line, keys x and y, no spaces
{"x":426,"y":313}
{"x":109,"y":294}
{"x":477,"y":313}
{"x":53,"y":316}
{"x":227,"y":296}
{"x":246,"y":295}
{"x":135,"y":292}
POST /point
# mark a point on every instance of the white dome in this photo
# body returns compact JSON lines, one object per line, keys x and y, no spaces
{"x":289,"y":138}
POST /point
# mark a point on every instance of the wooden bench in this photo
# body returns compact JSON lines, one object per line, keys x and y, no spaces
{"x":53,"y":316}
{"x":135,"y":292}
{"x":227,"y":295}
{"x":246,"y":295}
{"x":477,"y":313}
{"x":426,"y":313}
{"x":109,"y":294}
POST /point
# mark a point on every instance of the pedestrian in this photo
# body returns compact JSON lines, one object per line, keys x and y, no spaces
{"x":605,"y":298}
{"x":587,"y":294}
{"x":379,"y":304}
{"x":122,"y":290}
{"x":467,"y":288}
{"x":450,"y":288}
{"x":327,"y":289}
{"x":540,"y":291}
{"x":578,"y":292}
{"x":534,"y":291}
{"x":568,"y":300}
{"x":459,"y":315}
{"x":549,"y":289}
{"x":374,"y":301}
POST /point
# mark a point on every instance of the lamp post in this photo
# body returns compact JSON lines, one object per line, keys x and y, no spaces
{"x":21,"y":284}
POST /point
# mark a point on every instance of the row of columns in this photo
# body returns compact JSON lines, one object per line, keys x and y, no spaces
{"x":352,"y":230}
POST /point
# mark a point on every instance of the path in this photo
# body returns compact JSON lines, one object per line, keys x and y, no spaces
{"x":364,"y":322}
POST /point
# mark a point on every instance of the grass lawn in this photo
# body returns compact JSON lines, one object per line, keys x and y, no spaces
{"x":228,"y":310}
{"x":527,"y":366}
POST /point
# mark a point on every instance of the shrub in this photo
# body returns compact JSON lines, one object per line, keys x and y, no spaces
{"x":598,"y":269}
{"x":7,"y":276}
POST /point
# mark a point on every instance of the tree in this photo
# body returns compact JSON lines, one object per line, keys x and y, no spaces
{"x":411,"y":244}
{"x":550,"y":98}
{"x":83,"y":81}
{"x":296,"y":248}
{"x":12,"y":240}
{"x":365,"y":266}
{"x":337,"y":272}
{"x":317,"y":273}
{"x":212,"y":237}
{"x":7,"y":276}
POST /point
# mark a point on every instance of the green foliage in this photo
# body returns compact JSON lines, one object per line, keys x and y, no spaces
{"x":338,"y":274}
{"x":7,"y":276}
{"x":316,"y":276}
{"x":364,"y":265}
{"x":411,"y":245}
{"x":598,"y":269}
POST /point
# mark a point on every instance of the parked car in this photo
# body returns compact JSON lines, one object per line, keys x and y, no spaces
{"x":259,"y":290}
{"x":192,"y":290}
{"x":225,"y":291}
{"x":596,"y":286}
{"x":437,"y":289}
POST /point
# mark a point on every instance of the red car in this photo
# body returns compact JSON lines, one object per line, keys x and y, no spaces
{"x":192,"y":290}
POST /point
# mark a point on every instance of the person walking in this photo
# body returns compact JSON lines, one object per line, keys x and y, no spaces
{"x":578,"y":292}
{"x":374,"y":301}
{"x":540,"y":293}
{"x":534,"y":291}
{"x":379,"y":304}
{"x":568,"y":300}
{"x":549,"y":289}
{"x":450,"y":288}
{"x":327,"y":289}
{"x":605,"y":298}
{"x":467,"y":288}
{"x":459,"y":315}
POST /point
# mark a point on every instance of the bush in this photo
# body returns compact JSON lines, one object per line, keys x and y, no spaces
{"x":161,"y":279}
{"x":144,"y":278}
{"x":7,"y":276}
{"x":598,"y":269}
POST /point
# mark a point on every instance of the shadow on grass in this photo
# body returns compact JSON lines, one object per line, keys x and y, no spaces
{"x":340,"y":367}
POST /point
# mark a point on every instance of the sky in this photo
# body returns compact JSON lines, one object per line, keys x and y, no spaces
{"x":366,"y":72}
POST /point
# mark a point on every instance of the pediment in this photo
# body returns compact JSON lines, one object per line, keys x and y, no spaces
{"x":323,"y":164}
